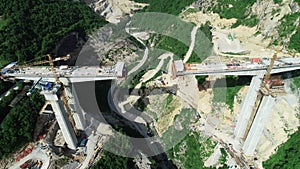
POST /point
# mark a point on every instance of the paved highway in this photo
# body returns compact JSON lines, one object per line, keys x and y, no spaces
{"x":192,"y":45}
{"x":145,"y":57}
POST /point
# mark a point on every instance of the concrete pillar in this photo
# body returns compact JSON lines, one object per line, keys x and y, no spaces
{"x":61,"y":116}
{"x":247,"y":106}
{"x":64,"y":123}
{"x":258,"y":125}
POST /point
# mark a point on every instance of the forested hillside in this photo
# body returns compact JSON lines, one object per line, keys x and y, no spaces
{"x":112,"y":161}
{"x":287,"y":156}
{"x":32,"y":28}
{"x":17,"y":128}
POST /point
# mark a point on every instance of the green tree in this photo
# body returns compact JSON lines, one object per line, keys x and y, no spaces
{"x":287,"y":155}
{"x":34,"y":27}
{"x":17,"y":128}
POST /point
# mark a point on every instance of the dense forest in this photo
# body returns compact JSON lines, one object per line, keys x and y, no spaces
{"x":112,"y":161}
{"x":287,"y":156}
{"x":295,"y":41}
{"x":4,"y":86}
{"x":6,"y":100}
{"x":17,"y":128}
{"x":32,"y":28}
{"x":237,"y":11}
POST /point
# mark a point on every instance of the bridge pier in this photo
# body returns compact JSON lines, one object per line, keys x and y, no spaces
{"x":258,"y":125}
{"x":247,"y":106}
{"x":62,"y":117}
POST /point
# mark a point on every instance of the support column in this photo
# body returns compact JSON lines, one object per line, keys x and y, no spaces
{"x":247,"y":106}
{"x":62,"y":119}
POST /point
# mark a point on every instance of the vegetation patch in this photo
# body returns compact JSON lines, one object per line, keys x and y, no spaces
{"x":233,"y":8}
{"x":3,"y":23}
{"x":61,"y":162}
{"x":6,"y":100}
{"x":229,"y":89}
{"x":286,"y":28}
{"x":167,"y":116}
{"x":173,"y":45}
{"x":203,"y":44}
{"x":4,"y":86}
{"x":287,"y":25}
{"x":277,"y":1}
{"x":223,"y":157}
{"x":110,"y":160}
{"x":201,"y":79}
{"x":192,"y":151}
{"x":220,"y":95}
{"x":23,"y":39}
{"x":287,"y":155}
{"x":250,"y":21}
{"x":295,"y":41}
{"x":202,"y":48}
{"x":236,"y":9}
{"x":17,"y":128}
{"x":296,"y":83}
{"x":191,"y":10}
{"x":136,"y":79}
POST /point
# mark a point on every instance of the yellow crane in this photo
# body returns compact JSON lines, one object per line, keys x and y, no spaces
{"x":34,"y":63}
{"x":268,"y":73}
{"x":264,"y":91}
{"x":53,"y":69}
{"x":63,"y":92}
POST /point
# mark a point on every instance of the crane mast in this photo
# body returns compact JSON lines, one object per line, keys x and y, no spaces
{"x":63,"y":93}
{"x":45,"y":61}
{"x":264,"y":91}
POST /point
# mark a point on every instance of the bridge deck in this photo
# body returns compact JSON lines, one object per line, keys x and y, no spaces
{"x":74,"y":74}
{"x":241,"y":71}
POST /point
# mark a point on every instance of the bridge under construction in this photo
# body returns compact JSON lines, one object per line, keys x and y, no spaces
{"x":52,"y":82}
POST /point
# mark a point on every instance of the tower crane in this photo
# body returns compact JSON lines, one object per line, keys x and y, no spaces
{"x":63,"y":93}
{"x":266,"y":79}
{"x":53,"y":69}
{"x":264,"y":91}
{"x":45,"y":61}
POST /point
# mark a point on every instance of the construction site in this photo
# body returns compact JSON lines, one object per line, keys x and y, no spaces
{"x":64,"y":127}
{"x":263,"y":114}
{"x":60,"y":128}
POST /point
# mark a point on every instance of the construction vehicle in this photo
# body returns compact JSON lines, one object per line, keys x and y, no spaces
{"x":41,"y":85}
{"x":33,"y":87}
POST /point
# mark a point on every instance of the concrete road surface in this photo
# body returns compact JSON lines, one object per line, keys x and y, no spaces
{"x":192,"y":45}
